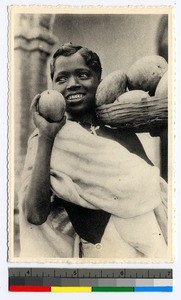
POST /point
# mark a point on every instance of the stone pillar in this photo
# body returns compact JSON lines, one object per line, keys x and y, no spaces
{"x":33,"y":44}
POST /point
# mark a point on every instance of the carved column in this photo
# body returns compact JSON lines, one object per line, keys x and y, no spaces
{"x":33,"y":44}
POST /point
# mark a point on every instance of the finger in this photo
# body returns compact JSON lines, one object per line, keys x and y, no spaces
{"x":33,"y":107}
{"x":63,"y":121}
{"x":35,"y":115}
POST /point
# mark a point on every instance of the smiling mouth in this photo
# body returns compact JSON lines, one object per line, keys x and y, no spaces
{"x":75,"y":97}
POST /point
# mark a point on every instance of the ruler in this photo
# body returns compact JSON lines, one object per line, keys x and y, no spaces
{"x":90,"y":280}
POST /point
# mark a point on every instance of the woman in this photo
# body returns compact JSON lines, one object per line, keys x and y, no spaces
{"x":102,"y":176}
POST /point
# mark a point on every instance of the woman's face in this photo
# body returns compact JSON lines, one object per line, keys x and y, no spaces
{"x":76,"y":82}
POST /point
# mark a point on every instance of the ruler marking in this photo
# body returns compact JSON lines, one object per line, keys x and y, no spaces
{"x":107,"y":277}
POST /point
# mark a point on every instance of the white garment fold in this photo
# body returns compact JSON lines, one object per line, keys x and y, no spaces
{"x":98,"y":173}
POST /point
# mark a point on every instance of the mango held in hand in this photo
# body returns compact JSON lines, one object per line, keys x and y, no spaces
{"x":146,"y":72}
{"x":111,"y":87}
{"x":162,"y":87}
{"x":52,"y":105}
{"x":133,"y":97}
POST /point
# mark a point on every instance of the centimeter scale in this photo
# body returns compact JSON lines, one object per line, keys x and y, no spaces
{"x":89,"y":280}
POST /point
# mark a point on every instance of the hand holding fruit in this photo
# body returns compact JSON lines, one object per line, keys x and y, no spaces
{"x":48,"y":113}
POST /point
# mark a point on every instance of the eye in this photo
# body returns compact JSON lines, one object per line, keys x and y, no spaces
{"x":61,"y":79}
{"x":84,"y":75}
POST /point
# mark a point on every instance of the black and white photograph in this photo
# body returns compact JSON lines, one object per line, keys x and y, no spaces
{"x":91,"y":118}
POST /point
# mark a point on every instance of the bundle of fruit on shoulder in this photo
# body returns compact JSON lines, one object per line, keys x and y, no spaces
{"x":137,"y":100}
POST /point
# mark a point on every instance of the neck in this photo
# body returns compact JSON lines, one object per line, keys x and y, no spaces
{"x":86,"y":118}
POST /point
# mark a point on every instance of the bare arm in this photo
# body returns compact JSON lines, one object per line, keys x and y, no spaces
{"x":36,"y":202}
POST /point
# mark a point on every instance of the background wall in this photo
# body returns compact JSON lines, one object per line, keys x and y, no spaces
{"x":119,"y":40}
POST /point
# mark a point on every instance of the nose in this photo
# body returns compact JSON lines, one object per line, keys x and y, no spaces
{"x":73,"y":84}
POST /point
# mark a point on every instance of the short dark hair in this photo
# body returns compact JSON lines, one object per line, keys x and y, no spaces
{"x":91,"y":58}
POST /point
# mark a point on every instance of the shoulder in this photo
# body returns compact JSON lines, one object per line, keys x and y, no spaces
{"x":126,"y":138}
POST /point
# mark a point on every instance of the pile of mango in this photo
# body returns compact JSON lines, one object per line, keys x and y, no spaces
{"x":147,"y":77}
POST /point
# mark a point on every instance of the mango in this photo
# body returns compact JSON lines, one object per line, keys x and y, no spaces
{"x":133,"y":96}
{"x":111,"y":87}
{"x":146,"y":72}
{"x":52,"y":105}
{"x":162,"y":87}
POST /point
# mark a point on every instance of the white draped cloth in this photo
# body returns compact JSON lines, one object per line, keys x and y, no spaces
{"x":99,"y":173}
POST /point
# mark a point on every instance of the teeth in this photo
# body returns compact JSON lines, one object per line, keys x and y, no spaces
{"x":77,"y":96}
